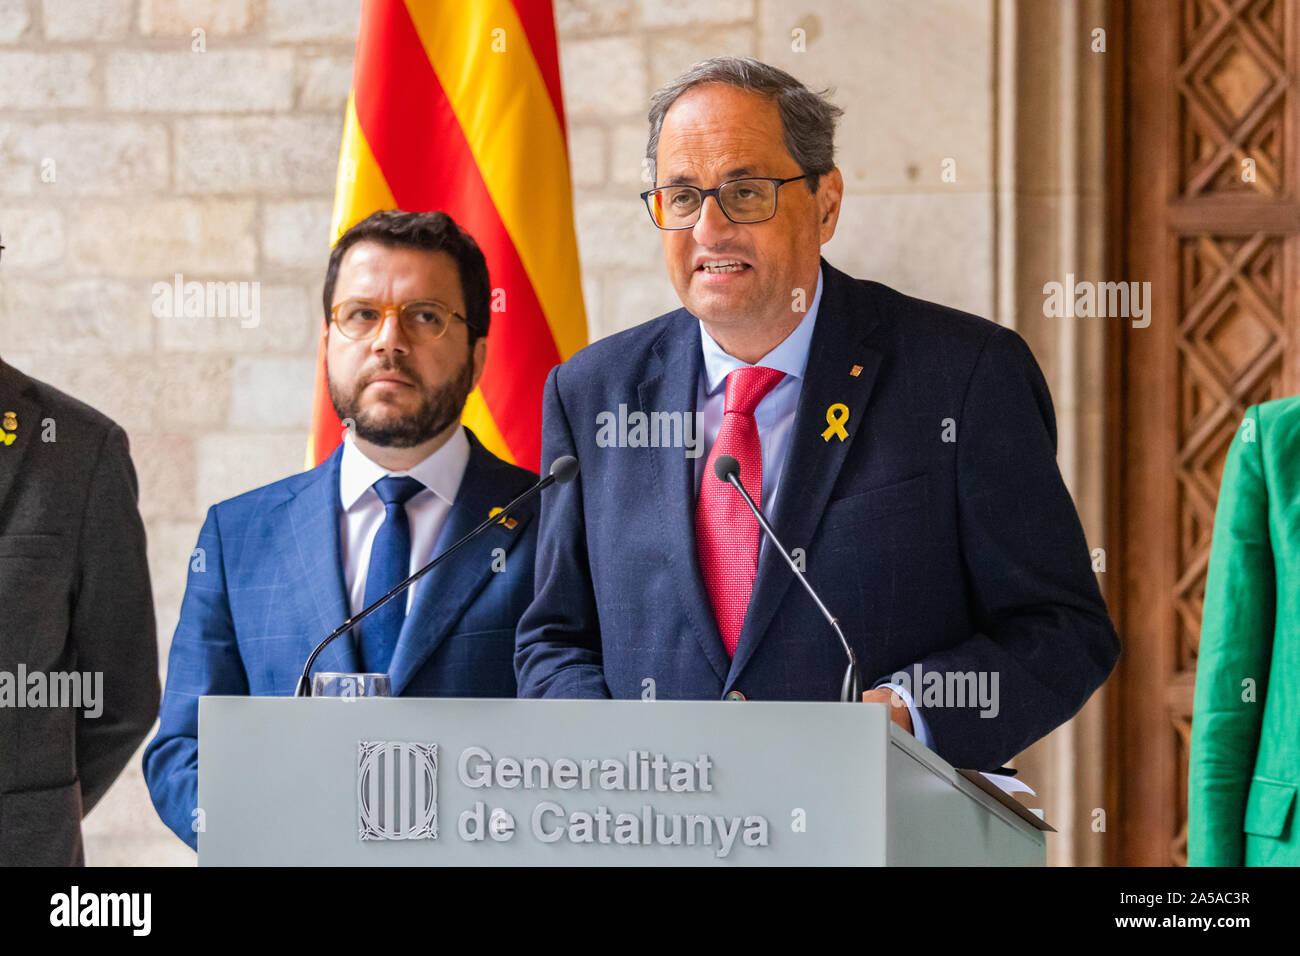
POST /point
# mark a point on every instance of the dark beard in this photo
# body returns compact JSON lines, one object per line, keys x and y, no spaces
{"x":439,"y":410}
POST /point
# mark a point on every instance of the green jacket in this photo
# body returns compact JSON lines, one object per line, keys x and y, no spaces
{"x":1245,"y":750}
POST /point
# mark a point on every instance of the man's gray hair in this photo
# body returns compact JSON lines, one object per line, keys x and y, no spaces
{"x":807,"y":117}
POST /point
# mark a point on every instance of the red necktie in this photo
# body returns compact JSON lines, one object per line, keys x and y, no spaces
{"x":725,"y":530}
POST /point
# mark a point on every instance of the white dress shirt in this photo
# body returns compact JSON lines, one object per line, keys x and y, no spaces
{"x":774,"y":414}
{"x":426,"y":510}
{"x":775,"y":418}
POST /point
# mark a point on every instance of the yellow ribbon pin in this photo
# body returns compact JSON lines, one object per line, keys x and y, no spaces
{"x":836,"y":416}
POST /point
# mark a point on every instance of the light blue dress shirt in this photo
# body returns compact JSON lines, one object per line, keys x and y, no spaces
{"x":775,"y":418}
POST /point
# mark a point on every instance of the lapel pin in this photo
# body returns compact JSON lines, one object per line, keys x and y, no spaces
{"x":7,"y":435}
{"x":836,"y":416}
{"x":508,"y":521}
{"x":855,"y":371}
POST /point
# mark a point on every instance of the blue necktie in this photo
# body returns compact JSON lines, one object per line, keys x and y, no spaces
{"x":390,"y":563}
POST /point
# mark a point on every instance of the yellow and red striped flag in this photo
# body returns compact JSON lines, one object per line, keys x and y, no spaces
{"x":456,"y":107}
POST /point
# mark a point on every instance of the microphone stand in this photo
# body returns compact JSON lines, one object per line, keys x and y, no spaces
{"x":851,"y":689}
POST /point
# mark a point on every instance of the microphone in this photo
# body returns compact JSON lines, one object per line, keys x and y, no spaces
{"x":727,"y":469}
{"x":563,"y":470}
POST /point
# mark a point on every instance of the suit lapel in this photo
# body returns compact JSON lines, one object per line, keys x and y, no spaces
{"x":813,"y":463}
{"x":312,"y":556}
{"x":672,"y":387}
{"x":13,"y":387}
{"x":442,"y":595}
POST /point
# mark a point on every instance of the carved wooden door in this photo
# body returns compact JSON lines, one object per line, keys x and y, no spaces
{"x":1207,"y":211}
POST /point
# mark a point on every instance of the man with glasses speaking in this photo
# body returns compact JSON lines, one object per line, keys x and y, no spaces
{"x":903,"y":452}
{"x":406,"y":309}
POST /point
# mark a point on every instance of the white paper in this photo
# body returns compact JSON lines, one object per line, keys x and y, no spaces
{"x":1009,"y":784}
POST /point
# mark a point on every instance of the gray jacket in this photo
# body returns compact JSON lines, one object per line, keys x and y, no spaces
{"x":76,"y":611}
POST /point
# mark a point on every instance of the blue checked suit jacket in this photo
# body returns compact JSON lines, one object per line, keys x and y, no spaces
{"x":272,"y":587}
{"x":961,"y":556}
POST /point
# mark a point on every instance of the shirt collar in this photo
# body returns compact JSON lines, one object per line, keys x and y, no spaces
{"x":441,"y":472}
{"x":791,"y":356}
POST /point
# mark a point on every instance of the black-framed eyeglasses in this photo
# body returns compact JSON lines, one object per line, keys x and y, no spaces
{"x":743,"y":201}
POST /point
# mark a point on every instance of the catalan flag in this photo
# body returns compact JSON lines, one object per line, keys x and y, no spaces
{"x":456,"y":107}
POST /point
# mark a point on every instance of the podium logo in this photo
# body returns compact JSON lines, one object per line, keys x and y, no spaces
{"x":397,"y":790}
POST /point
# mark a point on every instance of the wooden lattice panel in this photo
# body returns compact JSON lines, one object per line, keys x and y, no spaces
{"x":1178,"y":846}
{"x":1232,"y":83}
{"x":1229,"y":142}
{"x":1231,"y":340}
{"x":1207,"y":85}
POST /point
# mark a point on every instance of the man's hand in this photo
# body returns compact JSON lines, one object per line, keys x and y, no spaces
{"x":898,"y":711}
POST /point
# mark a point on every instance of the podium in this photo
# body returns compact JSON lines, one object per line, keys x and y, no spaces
{"x":488,"y":782}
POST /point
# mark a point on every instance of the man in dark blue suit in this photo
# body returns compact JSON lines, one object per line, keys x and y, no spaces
{"x":276,"y":569}
{"x":905,"y":453}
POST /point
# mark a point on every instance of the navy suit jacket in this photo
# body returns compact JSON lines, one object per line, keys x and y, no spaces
{"x":939,"y":532}
{"x":267,"y":586}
